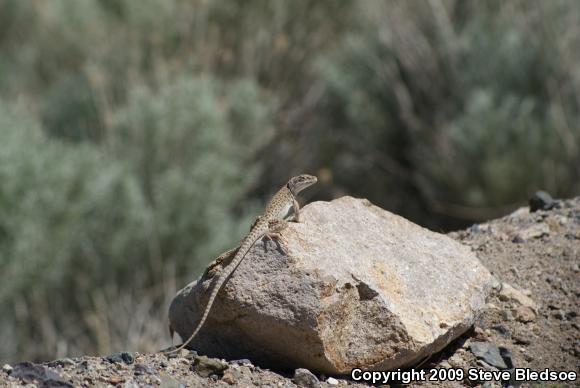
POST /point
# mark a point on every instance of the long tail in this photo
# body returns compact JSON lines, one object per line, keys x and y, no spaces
{"x":220,"y":282}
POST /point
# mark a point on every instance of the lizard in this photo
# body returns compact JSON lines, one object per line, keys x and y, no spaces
{"x":268,"y":225}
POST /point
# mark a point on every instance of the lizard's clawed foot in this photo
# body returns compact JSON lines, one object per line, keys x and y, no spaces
{"x":294,"y":218}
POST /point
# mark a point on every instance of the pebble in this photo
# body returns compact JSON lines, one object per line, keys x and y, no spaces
{"x":305,"y":378}
{"x":231,"y":376}
{"x":541,"y":200}
{"x":332,"y":381}
{"x":7,"y":368}
{"x":489,"y":353}
{"x":479,"y":332}
{"x":501,"y":329}
{"x":121,"y":357}
{"x":206,"y":367}
{"x":512,"y":294}
{"x":456,"y":361}
{"x":83,"y":365}
{"x":142,"y":369}
{"x":524,"y":314}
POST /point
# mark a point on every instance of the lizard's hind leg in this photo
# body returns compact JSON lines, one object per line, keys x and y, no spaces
{"x":273,"y":234}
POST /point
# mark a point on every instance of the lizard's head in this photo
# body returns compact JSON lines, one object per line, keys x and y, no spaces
{"x":300,"y":182}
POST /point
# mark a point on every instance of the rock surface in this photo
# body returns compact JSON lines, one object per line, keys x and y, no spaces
{"x":359,"y":287}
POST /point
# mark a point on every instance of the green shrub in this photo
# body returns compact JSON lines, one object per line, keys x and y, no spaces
{"x":454,"y":109}
{"x":160,"y":196}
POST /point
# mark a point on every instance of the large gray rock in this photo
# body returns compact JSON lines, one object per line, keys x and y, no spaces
{"x":360,"y":287}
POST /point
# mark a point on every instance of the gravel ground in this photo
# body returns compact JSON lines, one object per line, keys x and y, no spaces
{"x":530,"y":322}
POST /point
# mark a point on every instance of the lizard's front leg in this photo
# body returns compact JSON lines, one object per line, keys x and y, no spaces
{"x":296,"y":216}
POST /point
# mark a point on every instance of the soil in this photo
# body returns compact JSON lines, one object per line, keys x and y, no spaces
{"x":538,"y":254}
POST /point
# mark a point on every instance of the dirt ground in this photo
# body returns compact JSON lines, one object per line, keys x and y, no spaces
{"x":538,"y":254}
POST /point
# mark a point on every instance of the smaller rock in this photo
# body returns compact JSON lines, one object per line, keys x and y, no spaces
{"x":509,"y":293}
{"x":524,"y":314}
{"x":231,"y":376}
{"x":7,"y":368}
{"x":488,"y":353}
{"x":121,"y":357}
{"x":82,"y":366}
{"x":116,"y":380}
{"x":541,"y":201}
{"x":205,"y":366}
{"x":456,"y":361}
{"x":479,"y":333}
{"x":331,"y":381}
{"x":305,"y":378}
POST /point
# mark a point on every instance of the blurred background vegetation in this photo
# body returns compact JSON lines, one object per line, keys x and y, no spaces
{"x":138,"y":138}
